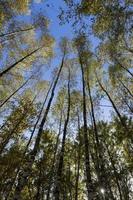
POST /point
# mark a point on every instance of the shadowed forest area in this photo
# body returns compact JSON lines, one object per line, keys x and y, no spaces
{"x":66,"y":100}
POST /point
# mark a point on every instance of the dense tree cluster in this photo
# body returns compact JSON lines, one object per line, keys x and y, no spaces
{"x":66,"y":132}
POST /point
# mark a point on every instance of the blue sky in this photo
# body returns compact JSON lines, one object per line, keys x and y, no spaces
{"x":50,"y":8}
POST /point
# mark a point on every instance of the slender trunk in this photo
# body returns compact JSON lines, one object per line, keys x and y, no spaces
{"x":114,"y":106}
{"x":97,"y":145}
{"x":93,"y":115}
{"x":108,"y":190}
{"x":31,"y":136}
{"x":61,"y":159}
{"x":125,"y":101}
{"x":94,"y":160}
{"x":19,"y":61}
{"x":86,"y":142}
{"x":115,"y":171}
{"x":129,"y":107}
{"x":23,"y":177}
{"x":99,"y":164}
{"x":79,"y":157}
{"x":116,"y":110}
{"x":54,"y":159}
{"x":123,"y":67}
{"x":39,"y":116}
{"x":119,"y":63}
{"x":126,"y":88}
{"x":14,"y":32}
{"x":8,"y":98}
{"x":99,"y":158}
{"x":94,"y":126}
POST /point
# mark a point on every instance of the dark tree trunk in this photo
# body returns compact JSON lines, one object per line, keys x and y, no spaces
{"x":54,"y":160}
{"x":89,"y":183}
{"x":8,"y":98}
{"x":32,"y":133}
{"x":61,"y":158}
{"x":15,"y":32}
{"x":100,"y":168}
{"x":98,"y":150}
{"x":115,"y":171}
{"x":123,"y":67}
{"x":113,"y":104}
{"x":19,"y":61}
{"x":126,"y":88}
{"x":79,"y":158}
{"x":109,"y":194}
{"x":24,"y":175}
{"x":127,"y":104}
{"x":39,"y":116}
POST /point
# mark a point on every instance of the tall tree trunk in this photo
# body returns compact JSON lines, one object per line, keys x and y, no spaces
{"x":89,"y":183}
{"x":126,"y":103}
{"x":24,"y":175}
{"x":126,"y":129}
{"x":39,"y":116}
{"x":8,"y":98}
{"x":19,"y":61}
{"x":97,"y":146}
{"x":113,"y":104}
{"x":126,"y":87}
{"x":99,"y":164}
{"x":31,"y":136}
{"x":94,"y":125}
{"x":115,"y":171}
{"x":122,"y":66}
{"x":109,"y":194}
{"x":118,"y":62}
{"x":100,"y":168}
{"x":79,"y":158}
{"x":15,"y":32}
{"x":61,"y":159}
{"x":54,"y":159}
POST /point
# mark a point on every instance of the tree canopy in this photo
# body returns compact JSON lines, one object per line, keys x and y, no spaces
{"x":66,"y":100}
